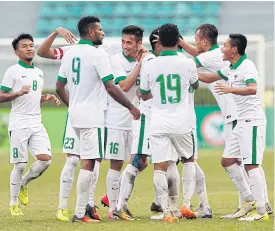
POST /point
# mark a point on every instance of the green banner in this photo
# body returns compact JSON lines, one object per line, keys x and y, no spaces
{"x":209,"y":127}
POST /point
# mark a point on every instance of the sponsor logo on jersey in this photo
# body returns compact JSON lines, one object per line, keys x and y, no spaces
{"x":24,"y":76}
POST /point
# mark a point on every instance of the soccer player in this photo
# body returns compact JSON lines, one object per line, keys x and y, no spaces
{"x":168,"y":78}
{"x":22,"y":85}
{"x":247,"y":140}
{"x":71,"y":142}
{"x":118,"y":119}
{"x":87,"y":71}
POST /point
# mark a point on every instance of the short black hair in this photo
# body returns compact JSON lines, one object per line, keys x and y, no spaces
{"x":239,"y":41}
{"x":152,"y":37}
{"x":85,"y":23}
{"x":210,"y":32}
{"x":179,"y":47}
{"x":133,"y":30}
{"x":21,"y":37}
{"x":169,"y":35}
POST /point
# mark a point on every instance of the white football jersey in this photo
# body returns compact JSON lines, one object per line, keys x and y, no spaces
{"x":117,"y":116}
{"x":212,"y":61}
{"x":168,"y":78}
{"x":25,"y":111}
{"x":248,"y":106}
{"x":86,"y":68}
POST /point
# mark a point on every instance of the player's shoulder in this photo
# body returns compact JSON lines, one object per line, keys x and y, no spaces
{"x":247,"y":65}
{"x":13,"y":68}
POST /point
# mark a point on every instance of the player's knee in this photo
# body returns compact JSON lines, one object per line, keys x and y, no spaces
{"x":45,"y":164}
{"x":43,"y":157}
{"x":140,"y":162}
{"x":116,"y":164}
{"x":72,"y":161}
{"x":20,"y":167}
{"x":226,"y":162}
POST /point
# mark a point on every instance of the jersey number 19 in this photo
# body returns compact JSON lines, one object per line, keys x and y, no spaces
{"x":170,"y":83}
{"x":76,"y":70}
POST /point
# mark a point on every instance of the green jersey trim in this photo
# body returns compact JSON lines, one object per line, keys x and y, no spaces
{"x":239,"y":62}
{"x":215,"y":46}
{"x":168,"y":53}
{"x":107,"y":78}
{"x":144,"y":92}
{"x":197,"y":61}
{"x":250,"y":81}
{"x":25,"y":65}
{"x":119,"y":79}
{"x":84,"y":41}
{"x":221,"y":75}
{"x":62,"y":79}
{"x":7,"y":89}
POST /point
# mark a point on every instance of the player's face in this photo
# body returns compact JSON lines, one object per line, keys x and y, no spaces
{"x":199,"y":42}
{"x":98,"y":34}
{"x":130,"y":45}
{"x":227,"y":50}
{"x":25,"y":49}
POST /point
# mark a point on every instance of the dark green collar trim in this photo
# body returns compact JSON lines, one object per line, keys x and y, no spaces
{"x":214,"y":47}
{"x":84,"y":41}
{"x":239,"y":62}
{"x":168,"y":52}
{"x":180,"y":50}
{"x":25,"y":65}
{"x":154,"y":53}
{"x":130,"y":59}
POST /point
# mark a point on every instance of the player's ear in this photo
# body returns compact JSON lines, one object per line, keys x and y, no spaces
{"x":16,"y":52}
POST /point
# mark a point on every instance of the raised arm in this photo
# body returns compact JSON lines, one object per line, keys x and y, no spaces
{"x":190,"y":49}
{"x":45,"y":50}
{"x":209,"y":77}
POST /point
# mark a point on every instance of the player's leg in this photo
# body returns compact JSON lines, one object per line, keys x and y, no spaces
{"x":91,"y":148}
{"x":204,"y":210}
{"x":161,"y":151}
{"x":252,"y":139}
{"x":71,"y":147}
{"x":18,"y":157}
{"x":40,"y":147}
{"x":267,"y":203}
{"x":115,"y":152}
{"x":138,"y":162}
{"x":232,"y":153}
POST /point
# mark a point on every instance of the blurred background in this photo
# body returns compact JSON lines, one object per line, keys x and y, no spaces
{"x":254,"y":19}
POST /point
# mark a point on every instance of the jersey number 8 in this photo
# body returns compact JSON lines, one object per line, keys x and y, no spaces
{"x":76,"y":70}
{"x":169,"y":84}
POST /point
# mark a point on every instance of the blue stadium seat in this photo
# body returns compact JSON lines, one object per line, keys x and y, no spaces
{"x":90,"y":9}
{"x":45,"y":12}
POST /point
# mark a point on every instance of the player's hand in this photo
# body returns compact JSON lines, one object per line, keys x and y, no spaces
{"x":67,"y":35}
{"x":25,"y":90}
{"x":135,"y":112}
{"x":142,"y":52}
{"x":51,"y":98}
{"x":222,"y":89}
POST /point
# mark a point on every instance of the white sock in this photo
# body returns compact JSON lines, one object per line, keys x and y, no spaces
{"x":127,"y":180}
{"x":161,"y":190}
{"x":15,"y":182}
{"x":256,"y":183}
{"x":83,"y":189}
{"x":173,"y":178}
{"x":201,"y":187}
{"x":66,"y":180}
{"x":265,"y":185}
{"x":237,"y":176}
{"x":241,"y":198}
{"x":91,"y":201}
{"x":112,"y":182}
{"x":36,"y":170}
{"x":188,"y":182}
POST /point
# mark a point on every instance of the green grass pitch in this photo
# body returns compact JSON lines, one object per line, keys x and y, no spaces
{"x":43,"y":195}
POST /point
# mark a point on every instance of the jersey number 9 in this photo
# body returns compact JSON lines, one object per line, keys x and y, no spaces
{"x":76,"y":70}
{"x":170,"y":83}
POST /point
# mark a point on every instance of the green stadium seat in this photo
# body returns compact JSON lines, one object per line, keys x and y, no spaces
{"x":45,"y":12}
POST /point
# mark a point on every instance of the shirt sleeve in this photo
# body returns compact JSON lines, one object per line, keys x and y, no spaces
{"x":103,"y":67}
{"x":60,"y":52}
{"x":8,"y":81}
{"x":223,"y":73}
{"x":251,"y":74}
{"x":193,"y":73}
{"x":62,"y":77}
{"x":118,"y":70}
{"x":144,"y":79}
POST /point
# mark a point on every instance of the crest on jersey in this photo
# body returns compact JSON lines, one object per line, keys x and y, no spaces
{"x":235,"y":76}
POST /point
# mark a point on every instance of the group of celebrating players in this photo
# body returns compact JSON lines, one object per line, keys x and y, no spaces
{"x":123,"y":99}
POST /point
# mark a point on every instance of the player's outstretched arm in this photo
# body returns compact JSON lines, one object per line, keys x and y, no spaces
{"x":209,"y":77}
{"x":127,"y":83}
{"x":45,"y":50}
{"x":190,"y":49}
{"x":7,"y":96}
{"x":118,"y":96}
{"x":250,"y":89}
{"x":61,"y":91}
